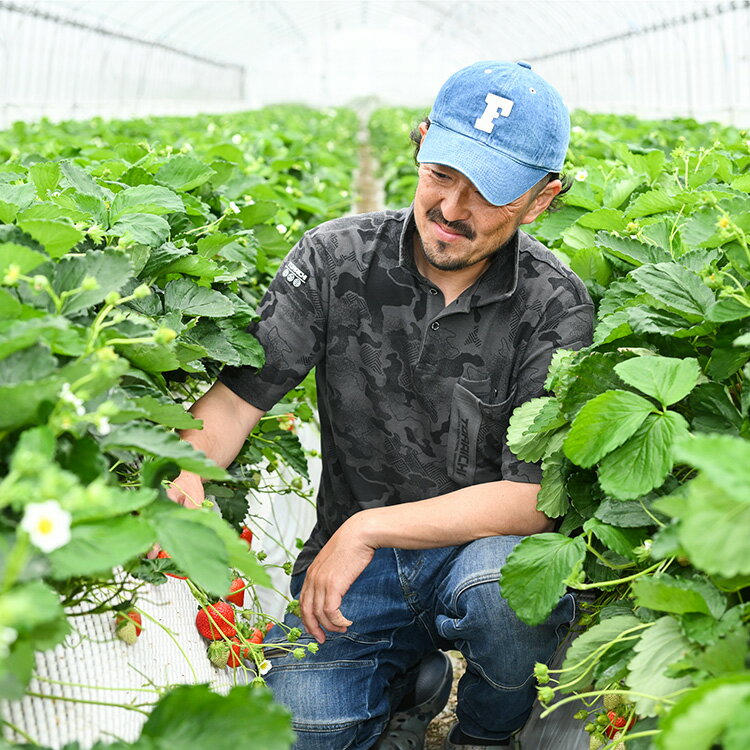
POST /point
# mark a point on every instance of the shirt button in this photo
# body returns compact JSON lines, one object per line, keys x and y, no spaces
{"x":435,"y":326}
{"x":433,"y":291}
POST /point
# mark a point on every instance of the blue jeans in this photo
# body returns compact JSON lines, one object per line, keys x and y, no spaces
{"x":404,"y":605}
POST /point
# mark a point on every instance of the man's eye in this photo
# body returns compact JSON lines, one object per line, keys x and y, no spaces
{"x":439,"y":175}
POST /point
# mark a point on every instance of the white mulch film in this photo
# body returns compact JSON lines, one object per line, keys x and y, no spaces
{"x":98,"y":667}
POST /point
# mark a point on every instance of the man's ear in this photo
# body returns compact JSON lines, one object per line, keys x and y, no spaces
{"x":541,"y":201}
{"x":422,"y":129}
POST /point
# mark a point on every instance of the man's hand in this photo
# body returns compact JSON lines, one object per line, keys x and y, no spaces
{"x":187,"y":490}
{"x":329,"y":577}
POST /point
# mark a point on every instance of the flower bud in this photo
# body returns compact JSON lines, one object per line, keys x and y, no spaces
{"x":142,"y":291}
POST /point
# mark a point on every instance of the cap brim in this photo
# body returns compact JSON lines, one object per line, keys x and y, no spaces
{"x":498,"y":178}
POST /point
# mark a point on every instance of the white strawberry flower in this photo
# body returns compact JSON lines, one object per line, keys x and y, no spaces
{"x":264,"y":667}
{"x":67,"y":395}
{"x":233,"y":207}
{"x":47,"y":524}
{"x":289,"y":189}
{"x":281,"y":229}
{"x":577,"y":129}
{"x":236,"y":139}
{"x":581,"y":175}
{"x":102,"y":424}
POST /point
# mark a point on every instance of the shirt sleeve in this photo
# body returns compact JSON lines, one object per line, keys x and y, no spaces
{"x":291,"y":329}
{"x":566,"y":323}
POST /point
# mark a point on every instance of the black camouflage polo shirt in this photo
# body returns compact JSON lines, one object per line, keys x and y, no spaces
{"x":414,"y":397}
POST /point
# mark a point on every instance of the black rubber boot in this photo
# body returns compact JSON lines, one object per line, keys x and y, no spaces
{"x":407,"y":728}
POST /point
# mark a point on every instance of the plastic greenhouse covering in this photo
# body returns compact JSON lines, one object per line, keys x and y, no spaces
{"x":79,"y":58}
{"x":161,"y":162}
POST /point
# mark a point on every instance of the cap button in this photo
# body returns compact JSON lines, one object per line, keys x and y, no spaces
{"x":524,"y":64}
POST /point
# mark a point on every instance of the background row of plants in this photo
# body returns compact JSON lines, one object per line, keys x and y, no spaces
{"x":132,"y":257}
{"x":643,"y":437}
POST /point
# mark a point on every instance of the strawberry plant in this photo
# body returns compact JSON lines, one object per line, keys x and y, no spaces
{"x":132,"y":256}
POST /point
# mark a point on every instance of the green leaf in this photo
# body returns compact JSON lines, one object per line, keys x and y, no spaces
{"x":713,"y":529}
{"x":45,"y":176}
{"x":728,"y":308}
{"x":16,"y":670}
{"x":20,"y":196}
{"x":182,"y":173}
{"x":644,"y":461}
{"x":192,"y":717}
{"x":145,"y":199}
{"x":724,"y":460}
{"x":552,"y":499}
{"x":666,"y":379}
{"x":675,"y":287}
{"x":591,"y":375}
{"x":187,"y":297}
{"x":27,"y":605}
{"x":34,"y":363}
{"x":531,"y":427}
{"x":604,"y":218}
{"x":81,"y":180}
{"x":19,"y":255}
{"x":591,"y":266}
{"x":161,"y":257}
{"x":99,"y":546}
{"x":257,"y":213}
{"x":668,"y":594}
{"x":621,"y":541}
{"x":534,"y":576}
{"x":700,"y":717}
{"x":57,"y":237}
{"x":659,"y":647}
{"x":603,"y":424}
{"x":596,"y":640}
{"x":653,"y":202}
{"x":145,"y":229}
{"x":110,"y":269}
{"x":245,"y":344}
{"x":713,"y":410}
{"x":618,"y":191}
{"x":196,"y":549}
{"x":167,"y":414}
{"x":627,"y":513}
{"x":155,"y":442}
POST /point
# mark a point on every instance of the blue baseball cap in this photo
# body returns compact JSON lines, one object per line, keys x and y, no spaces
{"x":501,"y":125}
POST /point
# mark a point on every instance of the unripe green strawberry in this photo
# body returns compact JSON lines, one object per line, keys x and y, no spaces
{"x":128,"y":626}
{"x":218,"y":653}
{"x":612,"y":702}
{"x":596,"y":741}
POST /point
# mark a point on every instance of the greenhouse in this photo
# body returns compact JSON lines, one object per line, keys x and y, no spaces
{"x":375,"y":374}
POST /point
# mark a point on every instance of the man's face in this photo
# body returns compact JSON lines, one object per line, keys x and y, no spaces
{"x":458,"y":227}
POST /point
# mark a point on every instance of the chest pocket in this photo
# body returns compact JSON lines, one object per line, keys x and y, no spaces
{"x":476,"y":436}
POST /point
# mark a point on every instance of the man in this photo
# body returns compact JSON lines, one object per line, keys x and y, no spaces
{"x":427,"y":326}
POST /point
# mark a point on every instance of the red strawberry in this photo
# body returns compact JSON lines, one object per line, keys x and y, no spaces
{"x":237,"y":592}
{"x":269,"y":625}
{"x":216,"y":621}
{"x":164,"y":553}
{"x":247,"y":535}
{"x":257,"y":636}
{"x":239,"y":652}
{"x":128,"y":626}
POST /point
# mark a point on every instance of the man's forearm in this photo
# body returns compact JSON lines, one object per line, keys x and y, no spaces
{"x":483,"y":510}
{"x":227,"y":421}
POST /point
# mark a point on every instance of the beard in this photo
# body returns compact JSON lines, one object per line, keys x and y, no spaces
{"x":437,"y":254}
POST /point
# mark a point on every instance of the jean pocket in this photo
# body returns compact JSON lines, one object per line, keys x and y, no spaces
{"x":475,"y":437}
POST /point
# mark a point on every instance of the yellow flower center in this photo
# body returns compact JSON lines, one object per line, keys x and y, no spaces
{"x":45,"y":526}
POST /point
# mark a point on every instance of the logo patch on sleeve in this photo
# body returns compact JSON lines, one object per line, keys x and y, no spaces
{"x":293,"y":274}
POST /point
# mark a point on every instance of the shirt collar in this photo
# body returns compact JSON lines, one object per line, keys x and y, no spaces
{"x":497,"y":283}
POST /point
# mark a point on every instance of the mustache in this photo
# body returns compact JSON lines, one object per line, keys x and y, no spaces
{"x":460,"y":227}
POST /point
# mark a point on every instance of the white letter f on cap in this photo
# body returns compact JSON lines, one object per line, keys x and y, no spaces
{"x":497,"y":106}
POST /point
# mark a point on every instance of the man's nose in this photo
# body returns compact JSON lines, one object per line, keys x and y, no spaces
{"x":455,"y":204}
